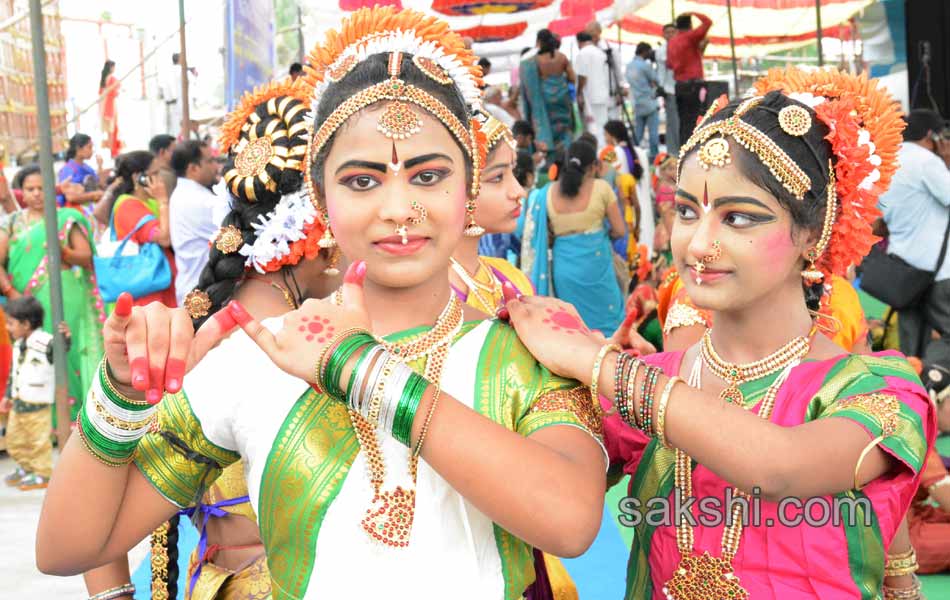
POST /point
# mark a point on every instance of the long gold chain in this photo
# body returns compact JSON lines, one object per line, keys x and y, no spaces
{"x":700,"y":577}
{"x":390,"y":515}
{"x":475,"y":286}
{"x":736,"y":374}
{"x":288,"y":297}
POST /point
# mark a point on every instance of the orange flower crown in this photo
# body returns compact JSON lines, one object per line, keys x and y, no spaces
{"x":865,"y":126}
{"x":247,"y":105}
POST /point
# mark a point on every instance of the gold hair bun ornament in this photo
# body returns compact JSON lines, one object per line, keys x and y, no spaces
{"x":197,"y":303}
{"x":228,"y":240}
{"x":495,"y":131}
{"x":254,"y":156}
{"x":795,"y":120}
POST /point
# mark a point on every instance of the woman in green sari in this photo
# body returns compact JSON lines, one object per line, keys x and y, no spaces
{"x":24,"y":258}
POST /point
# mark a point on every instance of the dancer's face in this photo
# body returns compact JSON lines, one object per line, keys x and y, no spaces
{"x":367,"y":199}
{"x":761,"y":253}
{"x":499,"y":201}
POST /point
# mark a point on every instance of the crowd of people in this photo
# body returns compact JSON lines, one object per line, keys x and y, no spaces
{"x":407,"y":323}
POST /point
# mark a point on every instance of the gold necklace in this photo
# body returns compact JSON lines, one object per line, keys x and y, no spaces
{"x":475,"y":286}
{"x":288,"y":297}
{"x":704,"y":576}
{"x":735,"y":374}
{"x":389,"y":518}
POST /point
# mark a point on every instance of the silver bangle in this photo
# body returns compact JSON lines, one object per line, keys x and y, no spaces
{"x":117,"y":592}
{"x":393,"y":393}
{"x":371,"y":383}
{"x":355,"y":395}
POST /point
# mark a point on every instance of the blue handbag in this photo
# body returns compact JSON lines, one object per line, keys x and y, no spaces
{"x":125,"y":266}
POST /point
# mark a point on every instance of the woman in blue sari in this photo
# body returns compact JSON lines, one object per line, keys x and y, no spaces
{"x":565,"y":235}
{"x":545,"y":97}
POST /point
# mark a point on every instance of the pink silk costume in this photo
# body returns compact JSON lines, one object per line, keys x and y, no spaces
{"x":789,"y":563}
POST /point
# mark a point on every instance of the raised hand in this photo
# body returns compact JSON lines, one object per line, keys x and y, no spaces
{"x":554,"y":333}
{"x":310,"y":329}
{"x":150,"y":348}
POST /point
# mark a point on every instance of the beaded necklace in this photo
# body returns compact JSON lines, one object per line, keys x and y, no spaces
{"x":735,"y":374}
{"x":475,"y":286}
{"x":389,"y":518}
{"x":703,"y":576}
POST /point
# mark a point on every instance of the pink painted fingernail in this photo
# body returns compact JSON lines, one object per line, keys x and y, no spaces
{"x":139,"y":368}
{"x":355,"y":273}
{"x":239,"y":313}
{"x":153,"y":396}
{"x":174,"y":371}
{"x":511,"y":293}
{"x":503,"y":314}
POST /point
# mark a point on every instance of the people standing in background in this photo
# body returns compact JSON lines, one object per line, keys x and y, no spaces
{"x":646,"y":110}
{"x":493,"y":104}
{"x":598,"y":89}
{"x":77,"y":171}
{"x":192,"y":207}
{"x":546,"y":98}
{"x":296,"y":70}
{"x":171,"y":92}
{"x":160,"y":146}
{"x":142,"y":193}
{"x":916,"y":208}
{"x":108,"y":92}
{"x":685,"y":58}
{"x":485,"y":65}
{"x":23,"y":243}
{"x":32,"y":393}
{"x":667,"y":84}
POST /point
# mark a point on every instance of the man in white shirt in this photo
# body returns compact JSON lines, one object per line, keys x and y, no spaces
{"x":916,"y":211}
{"x":192,"y":209}
{"x":594,"y":81}
{"x":666,"y":83}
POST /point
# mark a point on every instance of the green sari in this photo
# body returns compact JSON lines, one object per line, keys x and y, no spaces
{"x":84,"y":310}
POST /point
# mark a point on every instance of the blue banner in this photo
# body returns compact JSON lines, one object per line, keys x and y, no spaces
{"x":249,"y":43}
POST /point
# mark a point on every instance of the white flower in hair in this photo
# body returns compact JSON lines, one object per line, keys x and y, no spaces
{"x":809,"y":100}
{"x":864,"y":139}
{"x":278,"y":229}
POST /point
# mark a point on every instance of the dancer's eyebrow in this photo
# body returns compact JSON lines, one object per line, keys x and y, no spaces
{"x":418,"y":160}
{"x":363,"y":164}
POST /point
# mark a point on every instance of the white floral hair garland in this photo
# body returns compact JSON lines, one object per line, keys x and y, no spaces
{"x":864,"y":139}
{"x":278,"y":229}
{"x":409,"y":43}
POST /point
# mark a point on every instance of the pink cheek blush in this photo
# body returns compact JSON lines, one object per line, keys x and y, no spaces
{"x":776,"y":248}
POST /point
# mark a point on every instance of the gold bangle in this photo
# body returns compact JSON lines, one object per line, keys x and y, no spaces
{"x":595,"y":376}
{"x":425,"y":425}
{"x":661,"y":410}
{"x":110,"y":385}
{"x":864,"y":454}
{"x":898,"y":565}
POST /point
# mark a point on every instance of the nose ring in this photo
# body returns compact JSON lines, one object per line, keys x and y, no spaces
{"x":422,"y":216}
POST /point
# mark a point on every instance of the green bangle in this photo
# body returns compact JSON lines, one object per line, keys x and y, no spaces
{"x":108,"y":388}
{"x":103,"y":446}
{"x":408,"y":407}
{"x":341,"y":355}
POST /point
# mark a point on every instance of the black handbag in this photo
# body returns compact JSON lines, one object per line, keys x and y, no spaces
{"x":894,"y":282}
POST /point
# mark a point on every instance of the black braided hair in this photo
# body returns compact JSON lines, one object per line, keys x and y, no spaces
{"x":223,"y":271}
{"x":811,"y":152}
{"x":369,"y":72}
{"x":172,"y":552}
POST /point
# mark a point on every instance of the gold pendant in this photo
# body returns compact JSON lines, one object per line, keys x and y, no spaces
{"x":732,"y":394}
{"x":704,"y":577}
{"x":389,"y":517}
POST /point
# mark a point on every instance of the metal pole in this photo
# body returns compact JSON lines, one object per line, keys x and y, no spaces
{"x":183,"y":62}
{"x":821,"y":57}
{"x":301,"y":51}
{"x":44,"y":131}
{"x":673,"y":11}
{"x":732,"y":47}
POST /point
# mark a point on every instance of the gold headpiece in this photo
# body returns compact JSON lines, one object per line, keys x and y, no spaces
{"x":715,"y":151}
{"x":496,"y":131}
{"x":229,"y":239}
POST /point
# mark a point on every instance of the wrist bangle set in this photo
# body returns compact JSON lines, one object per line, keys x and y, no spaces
{"x":898,"y":565}
{"x":117,"y":592}
{"x":110,"y":424}
{"x":381,"y":388}
{"x":635,"y":393}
